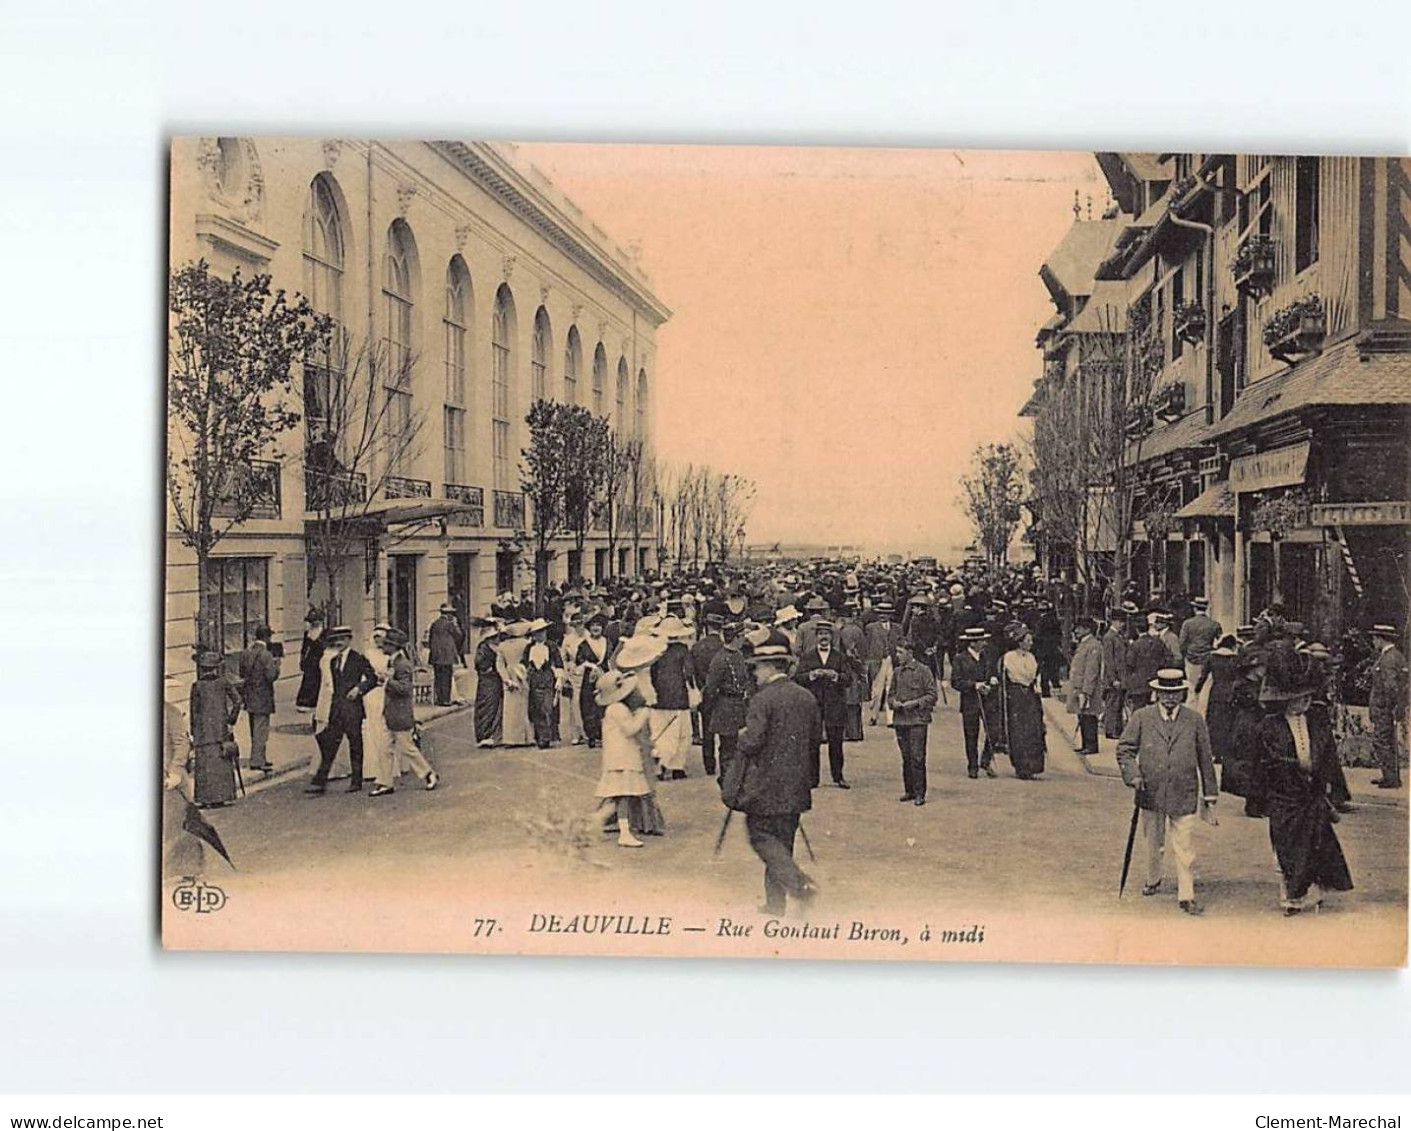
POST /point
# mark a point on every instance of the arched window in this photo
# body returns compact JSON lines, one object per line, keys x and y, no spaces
{"x":619,"y":419}
{"x":457,"y":321}
{"x":501,"y":337}
{"x":572,"y":363}
{"x":324,"y":256}
{"x":641,"y":406}
{"x":539,"y":359}
{"x":600,"y":378}
{"x":398,"y":288}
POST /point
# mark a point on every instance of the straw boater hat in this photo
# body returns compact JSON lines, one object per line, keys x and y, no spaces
{"x":816,"y":605}
{"x":1200,"y":602}
{"x":613,"y":687}
{"x":638,"y":652}
{"x":974,"y":635}
{"x":447,"y":607}
{"x":1170,"y":679}
{"x":339,"y":632}
{"x":1385,"y":631}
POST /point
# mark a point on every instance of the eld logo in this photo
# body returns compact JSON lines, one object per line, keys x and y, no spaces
{"x":198,"y":896}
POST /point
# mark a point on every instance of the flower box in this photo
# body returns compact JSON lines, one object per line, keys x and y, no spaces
{"x":1297,"y":330}
{"x":1190,"y":323}
{"x":1169,"y":401}
{"x":1253,"y":265}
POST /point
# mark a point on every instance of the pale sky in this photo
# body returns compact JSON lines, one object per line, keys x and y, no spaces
{"x":847,"y":323}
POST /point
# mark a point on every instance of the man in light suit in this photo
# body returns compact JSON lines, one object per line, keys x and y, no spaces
{"x":1085,"y":683}
{"x":1386,"y":704}
{"x":1164,"y":753}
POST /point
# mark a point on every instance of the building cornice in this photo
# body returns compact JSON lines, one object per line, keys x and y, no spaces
{"x":492,"y":170}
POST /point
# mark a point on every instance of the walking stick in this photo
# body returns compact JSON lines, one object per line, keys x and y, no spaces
{"x":239,"y":777}
{"x":1131,"y":840}
{"x":806,"y":843}
{"x":720,"y":837}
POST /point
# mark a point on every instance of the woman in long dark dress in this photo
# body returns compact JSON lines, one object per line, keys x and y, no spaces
{"x":1240,"y":762}
{"x":592,"y":658}
{"x":1222,"y":673}
{"x":1023,"y":710}
{"x":1297,"y":755}
{"x":310,"y":655}
{"x":489,"y":688}
{"x":215,"y":705}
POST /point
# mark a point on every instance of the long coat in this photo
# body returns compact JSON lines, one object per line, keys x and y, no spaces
{"x":1147,"y":655}
{"x":1300,"y":805}
{"x":781,"y":736}
{"x":727,"y":690}
{"x":444,"y":641}
{"x":1114,"y":659}
{"x":1387,"y":695}
{"x":1085,"y":676}
{"x":1172,"y":759}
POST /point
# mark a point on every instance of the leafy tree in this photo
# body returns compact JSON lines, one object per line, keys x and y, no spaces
{"x":585,"y":452}
{"x":993,"y":494}
{"x":233,"y":347}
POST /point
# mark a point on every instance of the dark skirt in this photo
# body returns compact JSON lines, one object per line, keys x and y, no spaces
{"x":1301,"y":831}
{"x":489,"y":707}
{"x":1024,"y":728}
{"x":589,"y":709}
{"x":853,"y":733}
{"x":215,"y":775}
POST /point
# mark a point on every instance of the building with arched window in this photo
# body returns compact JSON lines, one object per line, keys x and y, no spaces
{"x":430,"y":509}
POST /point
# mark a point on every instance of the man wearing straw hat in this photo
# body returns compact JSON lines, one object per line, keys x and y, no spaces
{"x":771,"y":781}
{"x":445,"y":642}
{"x":1164,"y":753}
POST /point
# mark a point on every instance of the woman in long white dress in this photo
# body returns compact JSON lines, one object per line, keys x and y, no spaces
{"x":510,"y":663}
{"x":382,"y":765}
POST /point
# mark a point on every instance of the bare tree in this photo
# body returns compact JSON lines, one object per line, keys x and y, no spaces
{"x":992,"y":495}
{"x":363,"y":434}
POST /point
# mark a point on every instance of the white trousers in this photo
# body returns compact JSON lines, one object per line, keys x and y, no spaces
{"x":397,"y":754}
{"x":1182,"y":839}
{"x":671,"y":737}
{"x":1193,"y":701}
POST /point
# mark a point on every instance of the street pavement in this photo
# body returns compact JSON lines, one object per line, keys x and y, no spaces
{"x":1054,"y":844}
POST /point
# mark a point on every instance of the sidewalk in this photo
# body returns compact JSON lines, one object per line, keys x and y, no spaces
{"x":291,"y":748}
{"x":1104,"y":763}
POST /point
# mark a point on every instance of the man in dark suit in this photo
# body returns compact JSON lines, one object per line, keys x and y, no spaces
{"x":259,"y":668}
{"x":826,"y":670}
{"x":1114,"y":674}
{"x":353,"y":677}
{"x":728,"y":685}
{"x":703,"y":652}
{"x":976,"y":683}
{"x":445,"y":641}
{"x":780,"y":741}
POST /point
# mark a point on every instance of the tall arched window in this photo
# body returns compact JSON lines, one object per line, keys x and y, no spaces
{"x":398,"y":285}
{"x":640,"y":430}
{"x":600,"y":378}
{"x":619,"y":417}
{"x":572,"y":362}
{"x":457,"y":321}
{"x":539,"y":359}
{"x":501,"y":337}
{"x":324,"y":256}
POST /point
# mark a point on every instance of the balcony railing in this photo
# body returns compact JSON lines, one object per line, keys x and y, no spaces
{"x":401,"y":487}
{"x":509,"y":510}
{"x":254,"y":492}
{"x":333,"y":490}
{"x":472,"y":511}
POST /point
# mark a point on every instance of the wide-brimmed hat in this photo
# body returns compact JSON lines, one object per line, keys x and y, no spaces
{"x":518,"y":628}
{"x":786,"y":614}
{"x":1129,"y":608}
{"x":637,"y":652}
{"x":672,"y":627}
{"x":613,"y":687}
{"x":816,"y":605}
{"x":1016,"y":630}
{"x":539,"y":624}
{"x":598,"y":619}
{"x":1170,"y":679}
{"x":396,"y":637}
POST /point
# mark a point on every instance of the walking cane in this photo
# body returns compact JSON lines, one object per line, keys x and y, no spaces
{"x":720,"y":837}
{"x":239,"y":777}
{"x":806,"y":843}
{"x":1131,"y":840}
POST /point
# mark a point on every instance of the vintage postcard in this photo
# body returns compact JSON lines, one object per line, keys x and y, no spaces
{"x":814,"y":553}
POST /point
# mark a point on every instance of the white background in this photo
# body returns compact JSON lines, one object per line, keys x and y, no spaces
{"x":90,"y":91}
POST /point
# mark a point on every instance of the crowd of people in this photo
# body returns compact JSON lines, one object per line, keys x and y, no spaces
{"x":646,"y":670}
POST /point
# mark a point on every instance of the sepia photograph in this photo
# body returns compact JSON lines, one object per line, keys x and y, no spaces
{"x":723,"y":551}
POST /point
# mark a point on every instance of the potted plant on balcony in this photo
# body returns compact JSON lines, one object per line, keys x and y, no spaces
{"x":1181,"y":196}
{"x":1169,"y":401}
{"x":1281,"y":514}
{"x":1189,"y":319}
{"x":1298,"y":329}
{"x":1253,"y":265}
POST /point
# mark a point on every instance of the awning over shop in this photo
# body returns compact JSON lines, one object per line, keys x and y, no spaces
{"x":392,"y":512}
{"x":1217,"y":501}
